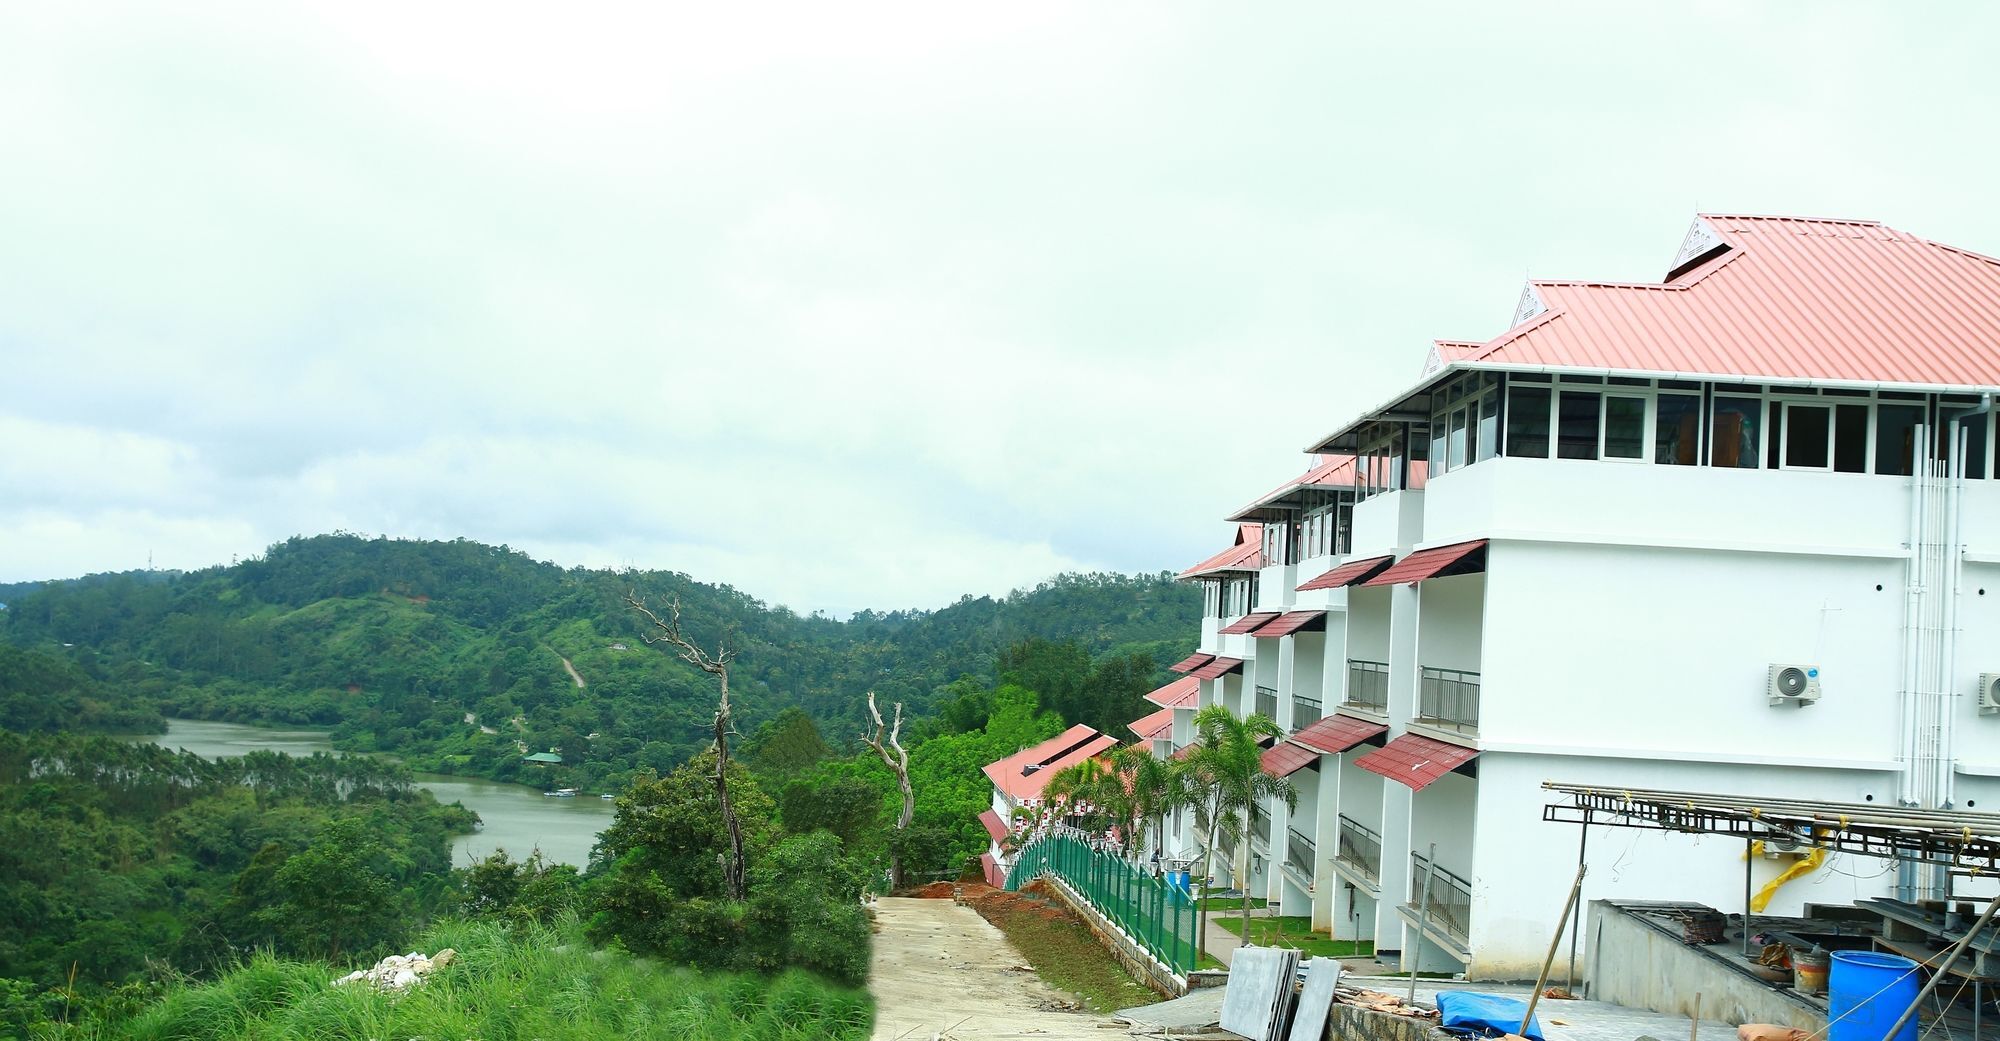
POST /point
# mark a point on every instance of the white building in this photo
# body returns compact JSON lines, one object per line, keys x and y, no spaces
{"x":1734,"y":532}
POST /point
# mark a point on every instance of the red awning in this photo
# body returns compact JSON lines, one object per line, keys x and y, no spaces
{"x":1184,"y":751}
{"x":1247,"y":622}
{"x":1347,"y":574}
{"x":994,"y":825}
{"x":1285,"y":759}
{"x":1461,"y":558}
{"x":1416,"y":762}
{"x":994,"y":877}
{"x":1181,"y":693}
{"x":1217,"y":669}
{"x":1191,"y":662}
{"x":1292,"y":622}
{"x":1335,"y":734}
{"x":1154,"y":726}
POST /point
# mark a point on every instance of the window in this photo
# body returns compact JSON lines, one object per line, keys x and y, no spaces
{"x":1455,"y":445}
{"x":1808,"y":436}
{"x":1677,"y":430}
{"x":1576,"y":429}
{"x":1733,"y":440}
{"x":1850,"y":439}
{"x":1528,"y":422}
{"x":1975,"y":445}
{"x":1896,"y":437}
{"x":1624,"y":427}
{"x":1489,"y":426}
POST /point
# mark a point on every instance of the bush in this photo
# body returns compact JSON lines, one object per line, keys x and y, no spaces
{"x":805,"y":910}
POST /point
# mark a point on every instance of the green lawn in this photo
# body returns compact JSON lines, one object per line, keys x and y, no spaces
{"x":1297,"y":932}
{"x":1230,"y":903}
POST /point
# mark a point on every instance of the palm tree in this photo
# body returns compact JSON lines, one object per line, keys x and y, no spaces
{"x":1229,"y":770}
{"x":1093,"y":791}
{"x":1150,"y":785}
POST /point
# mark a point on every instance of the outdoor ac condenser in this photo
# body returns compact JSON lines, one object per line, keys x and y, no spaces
{"x":1793,"y":684}
{"x":1989,"y":693}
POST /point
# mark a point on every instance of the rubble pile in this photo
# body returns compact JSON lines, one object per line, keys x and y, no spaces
{"x":399,"y":972}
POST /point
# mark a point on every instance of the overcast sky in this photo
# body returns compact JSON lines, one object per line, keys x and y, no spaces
{"x":852,"y":305}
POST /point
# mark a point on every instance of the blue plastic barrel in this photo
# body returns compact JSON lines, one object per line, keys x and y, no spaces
{"x":1866,"y":993}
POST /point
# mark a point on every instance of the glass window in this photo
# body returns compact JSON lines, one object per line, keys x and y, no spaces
{"x":1896,"y":438}
{"x":1528,"y":422}
{"x":1489,"y":426}
{"x":1808,"y":436}
{"x":1677,"y":430}
{"x":1850,"y":439}
{"x":1624,"y":428}
{"x":1438,"y":424}
{"x":1975,"y":446}
{"x":1732,"y":439}
{"x":1776,"y":412}
{"x":1576,"y":430}
{"x":1397,"y":472}
{"x":1455,"y":448}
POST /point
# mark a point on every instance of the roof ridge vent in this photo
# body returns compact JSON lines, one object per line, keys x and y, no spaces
{"x":1700,"y":243}
{"x":1529,"y":306}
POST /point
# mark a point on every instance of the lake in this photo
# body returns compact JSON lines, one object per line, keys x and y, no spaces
{"x":518,"y":818}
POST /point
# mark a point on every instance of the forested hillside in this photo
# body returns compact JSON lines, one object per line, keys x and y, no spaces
{"x":458,"y":656}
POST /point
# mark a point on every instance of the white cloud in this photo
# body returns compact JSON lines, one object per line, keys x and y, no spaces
{"x":868,"y":305}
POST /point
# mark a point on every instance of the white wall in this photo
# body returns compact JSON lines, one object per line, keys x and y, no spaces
{"x":1449,"y":622}
{"x":1388,"y":523}
{"x":1368,"y":624}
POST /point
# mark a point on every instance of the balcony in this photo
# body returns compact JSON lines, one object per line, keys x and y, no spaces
{"x":1267,"y":703}
{"x":1368,"y":685}
{"x":1360,"y":849}
{"x":1260,"y":832}
{"x":1450,"y":905}
{"x":1300,"y":854}
{"x":1305,"y":712}
{"x":1449,"y":700}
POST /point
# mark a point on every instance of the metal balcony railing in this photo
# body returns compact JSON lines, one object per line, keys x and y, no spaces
{"x":1450,"y":904}
{"x":1299,"y":853}
{"x":1359,"y":848}
{"x":1449,"y":698}
{"x":1267,"y":703}
{"x":1368,"y":685}
{"x":1261,"y":830}
{"x":1305,"y":712}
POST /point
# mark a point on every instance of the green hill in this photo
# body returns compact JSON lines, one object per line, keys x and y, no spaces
{"x":452,"y":654}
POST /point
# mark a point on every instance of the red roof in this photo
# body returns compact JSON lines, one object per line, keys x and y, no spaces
{"x":1459,"y":558}
{"x":1247,"y":622}
{"x":1155,"y":725}
{"x":994,"y":825}
{"x":1795,"y":298}
{"x":1335,"y":734}
{"x":1416,"y":762}
{"x":1285,"y":759}
{"x":1290,"y":622}
{"x":1245,"y":554}
{"x":1184,"y":751}
{"x":1023,"y":775}
{"x":1217,"y":669}
{"x":1181,"y":693}
{"x":1347,"y":574}
{"x":1333,"y":471}
{"x":992,"y":868}
{"x":1191,"y":662}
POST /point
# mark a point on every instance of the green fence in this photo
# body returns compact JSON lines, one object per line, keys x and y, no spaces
{"x":1157,"y":915}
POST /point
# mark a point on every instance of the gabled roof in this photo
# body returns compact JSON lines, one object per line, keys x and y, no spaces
{"x":1154,"y":725}
{"x":1181,"y":693}
{"x":1333,"y":471}
{"x":1245,"y":554}
{"x":1801,"y":300}
{"x":1023,"y":775}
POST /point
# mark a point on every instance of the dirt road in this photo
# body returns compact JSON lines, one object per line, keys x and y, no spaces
{"x":940,"y":969}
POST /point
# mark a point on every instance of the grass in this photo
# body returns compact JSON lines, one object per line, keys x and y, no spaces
{"x":1297,"y":932}
{"x":541,"y":983}
{"x":1066,"y":956}
{"x":1230,"y":903}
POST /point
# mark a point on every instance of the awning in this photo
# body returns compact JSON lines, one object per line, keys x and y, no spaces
{"x":994,"y":876}
{"x":1335,"y":734}
{"x":1461,"y":558}
{"x":1217,"y":669}
{"x":1285,"y":759}
{"x":1347,"y":574}
{"x":1416,"y":762}
{"x":1184,"y":751}
{"x":1191,"y":662}
{"x":1292,"y":622}
{"x":1153,"y":726}
{"x":1181,"y":693}
{"x":994,"y":825}
{"x":1247,"y":622}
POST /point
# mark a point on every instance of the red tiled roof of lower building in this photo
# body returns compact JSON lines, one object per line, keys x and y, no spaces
{"x":1023,"y":775}
{"x":1181,"y":693}
{"x":1154,"y":725}
{"x":1191,"y":662}
{"x":1245,"y":554}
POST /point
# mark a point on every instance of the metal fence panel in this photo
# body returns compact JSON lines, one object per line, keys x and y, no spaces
{"x":1161,"y":917}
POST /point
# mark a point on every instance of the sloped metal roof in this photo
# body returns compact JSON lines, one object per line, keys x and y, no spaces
{"x":1181,"y":693}
{"x":1336,"y":733}
{"x":1245,"y":554}
{"x":1154,"y":725}
{"x":1415,"y":761}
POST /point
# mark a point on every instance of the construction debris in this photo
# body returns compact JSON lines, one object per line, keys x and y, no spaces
{"x":1258,"y":999}
{"x":399,"y":972}
{"x":1315,"y":1000}
{"x":1376,"y":1001}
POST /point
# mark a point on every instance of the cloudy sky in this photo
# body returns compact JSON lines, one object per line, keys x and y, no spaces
{"x":849,"y":304}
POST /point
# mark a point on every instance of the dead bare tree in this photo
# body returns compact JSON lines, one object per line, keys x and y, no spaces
{"x":885,"y":739}
{"x":668,"y":631}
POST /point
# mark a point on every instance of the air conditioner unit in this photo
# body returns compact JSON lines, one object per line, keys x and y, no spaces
{"x":1793,"y":684}
{"x":1778,"y":844}
{"x":1989,"y":693}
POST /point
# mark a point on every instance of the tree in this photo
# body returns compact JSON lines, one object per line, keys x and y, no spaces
{"x":787,"y":744}
{"x":669,"y":631}
{"x":1090,"y":792}
{"x":884,"y":740}
{"x":1151,"y":786}
{"x":805,"y":910}
{"x":1229,"y":774}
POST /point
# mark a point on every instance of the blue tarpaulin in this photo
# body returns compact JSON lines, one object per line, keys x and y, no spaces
{"x":1483,"y":1015}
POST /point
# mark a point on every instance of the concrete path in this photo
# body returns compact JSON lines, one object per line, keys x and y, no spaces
{"x":942,"y":971}
{"x":1221,"y":943}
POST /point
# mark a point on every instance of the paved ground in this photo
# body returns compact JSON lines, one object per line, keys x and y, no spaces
{"x":942,"y":971}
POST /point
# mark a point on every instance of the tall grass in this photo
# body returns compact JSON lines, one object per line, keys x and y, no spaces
{"x":534,"y":984}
